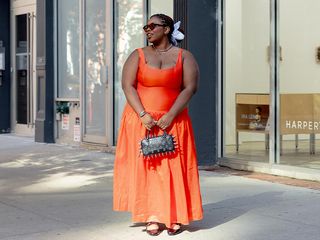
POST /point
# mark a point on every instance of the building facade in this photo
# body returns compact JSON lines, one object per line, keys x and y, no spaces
{"x":257,"y":104}
{"x":63,"y":62}
{"x":269,"y":86}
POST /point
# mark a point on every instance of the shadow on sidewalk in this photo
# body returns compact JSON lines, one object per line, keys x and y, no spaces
{"x":216,"y":214}
{"x":42,"y":168}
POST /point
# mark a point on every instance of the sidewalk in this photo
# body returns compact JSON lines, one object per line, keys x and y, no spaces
{"x":55,"y":192}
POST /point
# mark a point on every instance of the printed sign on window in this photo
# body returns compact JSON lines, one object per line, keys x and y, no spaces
{"x":65,"y":122}
{"x":76,"y":130}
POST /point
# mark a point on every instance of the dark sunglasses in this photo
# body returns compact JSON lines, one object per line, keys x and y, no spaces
{"x":152,"y":26}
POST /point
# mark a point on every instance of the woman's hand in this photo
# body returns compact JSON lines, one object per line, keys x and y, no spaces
{"x":165,"y":121}
{"x":148,"y":121}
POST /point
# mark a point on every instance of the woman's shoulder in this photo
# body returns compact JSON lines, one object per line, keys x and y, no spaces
{"x":134,"y":54}
{"x":185,"y":53}
{"x":133,"y":57}
{"x":146,"y":49}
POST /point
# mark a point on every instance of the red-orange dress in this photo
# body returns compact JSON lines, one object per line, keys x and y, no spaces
{"x":168,"y":186}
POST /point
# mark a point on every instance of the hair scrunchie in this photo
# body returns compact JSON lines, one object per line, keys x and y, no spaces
{"x":176,"y":34}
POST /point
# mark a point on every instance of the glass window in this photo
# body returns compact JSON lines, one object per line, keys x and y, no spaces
{"x":246,"y":80}
{"x":129,"y":19}
{"x":164,"y":6}
{"x":68,"y":48}
{"x":96,"y":67}
{"x":299,"y":75}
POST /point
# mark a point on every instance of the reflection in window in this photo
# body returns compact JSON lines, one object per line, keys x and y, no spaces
{"x":68,"y":48}
{"x":69,"y":54}
{"x":163,"y":6}
{"x":247,"y":80}
{"x":299,"y":84}
{"x":129,"y":36}
{"x":95,"y":52}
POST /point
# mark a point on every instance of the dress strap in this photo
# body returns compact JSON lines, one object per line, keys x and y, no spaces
{"x":142,"y":59}
{"x":180,"y":57}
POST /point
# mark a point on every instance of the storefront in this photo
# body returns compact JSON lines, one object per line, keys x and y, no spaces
{"x":61,"y":61}
{"x":257,"y":103}
{"x":94,"y":38}
{"x":19,"y":71}
{"x":270,"y":75}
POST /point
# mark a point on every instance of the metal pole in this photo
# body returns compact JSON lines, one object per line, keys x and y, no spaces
{"x":274,"y":153}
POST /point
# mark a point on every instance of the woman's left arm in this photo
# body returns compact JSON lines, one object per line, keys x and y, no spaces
{"x":190,"y":86}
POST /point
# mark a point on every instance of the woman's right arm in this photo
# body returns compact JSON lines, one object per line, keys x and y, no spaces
{"x":129,"y":83}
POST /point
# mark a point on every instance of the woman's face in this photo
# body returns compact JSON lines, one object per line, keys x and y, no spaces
{"x":155,"y":30}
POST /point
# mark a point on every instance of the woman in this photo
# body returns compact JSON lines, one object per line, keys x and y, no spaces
{"x":158,"y":81}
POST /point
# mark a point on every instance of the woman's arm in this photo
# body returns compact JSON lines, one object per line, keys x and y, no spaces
{"x":190,"y":86}
{"x":128,"y":83}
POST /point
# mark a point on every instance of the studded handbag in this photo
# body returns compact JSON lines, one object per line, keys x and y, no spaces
{"x":161,"y":145}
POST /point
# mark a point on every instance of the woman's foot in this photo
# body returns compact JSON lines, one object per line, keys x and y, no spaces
{"x":174,"y":229}
{"x":153,"y":229}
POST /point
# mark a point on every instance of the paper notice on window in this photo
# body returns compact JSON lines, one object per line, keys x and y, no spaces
{"x":76,"y":130}
{"x":65,"y":122}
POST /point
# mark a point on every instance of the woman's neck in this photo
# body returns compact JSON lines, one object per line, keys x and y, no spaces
{"x":160,"y":51}
{"x":162,"y":46}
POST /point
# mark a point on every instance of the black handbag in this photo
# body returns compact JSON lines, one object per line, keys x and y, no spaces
{"x":153,"y":146}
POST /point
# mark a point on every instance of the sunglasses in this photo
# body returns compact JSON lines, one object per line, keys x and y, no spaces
{"x":152,"y":26}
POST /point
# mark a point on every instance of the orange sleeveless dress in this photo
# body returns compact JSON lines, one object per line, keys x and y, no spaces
{"x":166,"y":187}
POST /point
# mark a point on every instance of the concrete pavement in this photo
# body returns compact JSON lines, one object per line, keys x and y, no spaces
{"x":56,"y":192}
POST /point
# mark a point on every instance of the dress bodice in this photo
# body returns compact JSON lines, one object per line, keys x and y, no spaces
{"x":158,"y":88}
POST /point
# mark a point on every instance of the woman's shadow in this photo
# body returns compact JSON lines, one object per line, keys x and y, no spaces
{"x":224,"y":211}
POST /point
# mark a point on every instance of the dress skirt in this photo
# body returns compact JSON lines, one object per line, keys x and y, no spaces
{"x":166,"y":187}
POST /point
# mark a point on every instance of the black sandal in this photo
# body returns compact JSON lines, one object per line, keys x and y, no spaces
{"x":153,"y":232}
{"x":172,"y":231}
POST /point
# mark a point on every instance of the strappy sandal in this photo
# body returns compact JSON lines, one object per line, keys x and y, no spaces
{"x":153,"y":232}
{"x":172,"y":231}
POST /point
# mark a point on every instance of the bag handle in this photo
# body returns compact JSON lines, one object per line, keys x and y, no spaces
{"x":149,"y":133}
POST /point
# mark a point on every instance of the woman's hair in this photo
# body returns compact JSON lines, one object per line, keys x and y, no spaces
{"x":168,"y":21}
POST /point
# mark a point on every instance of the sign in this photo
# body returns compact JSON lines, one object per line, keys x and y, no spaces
{"x":304,"y":125}
{"x":65,"y":122}
{"x":76,"y":130}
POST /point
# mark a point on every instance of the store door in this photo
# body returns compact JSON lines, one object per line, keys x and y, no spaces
{"x":23,"y":70}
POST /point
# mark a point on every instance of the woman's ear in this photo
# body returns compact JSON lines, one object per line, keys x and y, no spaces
{"x":167,"y":30}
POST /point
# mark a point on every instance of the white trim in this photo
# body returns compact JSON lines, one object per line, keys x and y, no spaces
{"x":67,"y":99}
{"x":274,"y":169}
{"x":22,"y":3}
